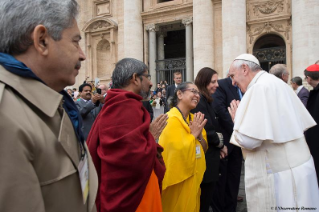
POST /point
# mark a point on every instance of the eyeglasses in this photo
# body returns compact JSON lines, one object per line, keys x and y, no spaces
{"x":148,"y":76}
{"x":195,"y":92}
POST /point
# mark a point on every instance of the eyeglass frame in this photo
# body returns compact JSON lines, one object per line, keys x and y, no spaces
{"x":148,"y":76}
{"x":194,"y":91}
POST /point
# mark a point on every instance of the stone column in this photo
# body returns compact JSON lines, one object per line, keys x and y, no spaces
{"x":152,"y":51}
{"x":189,"y":49}
{"x":305,"y":35}
{"x":203,"y":16}
{"x":133,"y":29}
{"x":234,"y":31}
{"x":160,"y":54}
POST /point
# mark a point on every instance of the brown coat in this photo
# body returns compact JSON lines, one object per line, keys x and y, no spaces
{"x":39,"y":152}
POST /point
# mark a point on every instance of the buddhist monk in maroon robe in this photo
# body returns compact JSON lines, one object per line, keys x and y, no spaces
{"x":123,"y":148}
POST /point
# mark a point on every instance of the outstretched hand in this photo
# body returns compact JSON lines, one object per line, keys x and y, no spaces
{"x":158,"y":125}
{"x":233,"y":108}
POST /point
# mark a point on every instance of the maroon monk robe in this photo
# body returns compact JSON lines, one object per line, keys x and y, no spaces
{"x":124,"y":152}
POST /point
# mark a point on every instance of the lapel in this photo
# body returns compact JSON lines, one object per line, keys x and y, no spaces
{"x":68,"y":139}
{"x":232,"y":88}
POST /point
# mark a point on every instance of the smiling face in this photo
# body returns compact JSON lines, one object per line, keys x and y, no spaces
{"x":190,"y":97}
{"x":86,"y":93}
{"x":213,"y":85}
{"x":239,"y":76}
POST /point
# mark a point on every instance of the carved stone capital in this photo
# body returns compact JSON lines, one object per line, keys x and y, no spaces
{"x":187,"y":21}
{"x":151,"y":27}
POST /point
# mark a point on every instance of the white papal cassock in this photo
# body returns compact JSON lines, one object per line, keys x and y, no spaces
{"x":269,"y":127}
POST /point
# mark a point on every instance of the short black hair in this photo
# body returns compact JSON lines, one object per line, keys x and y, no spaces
{"x":84,"y":85}
{"x":312,"y":74}
{"x":297,"y":80}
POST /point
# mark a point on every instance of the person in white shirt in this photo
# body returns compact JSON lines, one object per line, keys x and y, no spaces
{"x":301,"y":91}
{"x":269,"y":125}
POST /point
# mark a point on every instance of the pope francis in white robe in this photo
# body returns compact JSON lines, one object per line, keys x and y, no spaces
{"x":269,"y":126}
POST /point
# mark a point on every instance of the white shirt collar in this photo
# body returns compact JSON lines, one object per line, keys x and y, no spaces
{"x":298,"y":89}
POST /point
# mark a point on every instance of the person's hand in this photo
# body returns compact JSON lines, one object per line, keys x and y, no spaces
{"x":223,"y":152}
{"x":233,"y":108}
{"x":95,"y":97}
{"x":197,"y":124}
{"x":158,"y":125}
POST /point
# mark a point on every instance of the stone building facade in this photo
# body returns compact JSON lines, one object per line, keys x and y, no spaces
{"x":186,"y":35}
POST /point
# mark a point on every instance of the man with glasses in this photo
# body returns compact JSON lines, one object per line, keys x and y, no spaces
{"x":269,"y":126}
{"x":312,"y":135}
{"x":122,"y":143}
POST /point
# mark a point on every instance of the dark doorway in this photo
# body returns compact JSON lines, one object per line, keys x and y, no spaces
{"x":270,"y":50}
{"x":175,"y":46}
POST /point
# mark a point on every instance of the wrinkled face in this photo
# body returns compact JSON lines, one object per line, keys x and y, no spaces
{"x":189,"y":97}
{"x":146,"y":85}
{"x":213,"y":85}
{"x":239,"y":77}
{"x":285,"y":77}
{"x":65,"y":56}
{"x":178,"y":78}
{"x":86,"y":93}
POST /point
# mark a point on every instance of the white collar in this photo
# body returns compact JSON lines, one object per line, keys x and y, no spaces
{"x":298,"y":89}
{"x":256,"y":77}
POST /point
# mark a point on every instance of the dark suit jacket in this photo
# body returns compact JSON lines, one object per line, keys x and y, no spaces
{"x":224,"y":94}
{"x":88,"y":112}
{"x":149,"y":108}
{"x":312,"y":134}
{"x":170,"y":91}
{"x":303,"y":95}
{"x":211,"y":127}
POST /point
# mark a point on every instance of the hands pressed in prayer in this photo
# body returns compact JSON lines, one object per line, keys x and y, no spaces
{"x":223,"y":152}
{"x":158,"y":125}
{"x":233,"y":108}
{"x":196,"y":126}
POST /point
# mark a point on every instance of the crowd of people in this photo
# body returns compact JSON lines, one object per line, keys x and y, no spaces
{"x":106,"y":150}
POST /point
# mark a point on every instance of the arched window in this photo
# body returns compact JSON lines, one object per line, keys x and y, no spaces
{"x":270,"y":49}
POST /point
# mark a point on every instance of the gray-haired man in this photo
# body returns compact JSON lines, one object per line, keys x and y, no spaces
{"x":44,"y":160}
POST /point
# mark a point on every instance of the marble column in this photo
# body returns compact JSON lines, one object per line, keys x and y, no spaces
{"x":305,"y":35}
{"x":152,"y":51}
{"x":160,"y":54}
{"x":188,"y":22}
{"x":203,"y":23}
{"x":133,"y":29}
{"x":234,"y":31}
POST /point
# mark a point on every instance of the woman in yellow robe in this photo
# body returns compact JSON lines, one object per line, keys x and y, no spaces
{"x":184,"y":142}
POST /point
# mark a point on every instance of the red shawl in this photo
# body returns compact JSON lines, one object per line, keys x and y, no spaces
{"x":123,"y":151}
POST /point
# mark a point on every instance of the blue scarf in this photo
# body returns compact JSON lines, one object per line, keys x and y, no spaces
{"x":16,"y":67}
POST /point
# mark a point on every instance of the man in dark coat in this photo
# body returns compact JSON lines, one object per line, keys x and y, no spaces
{"x":171,"y":89}
{"x":225,"y":195}
{"x":301,"y":91}
{"x":312,"y":134}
